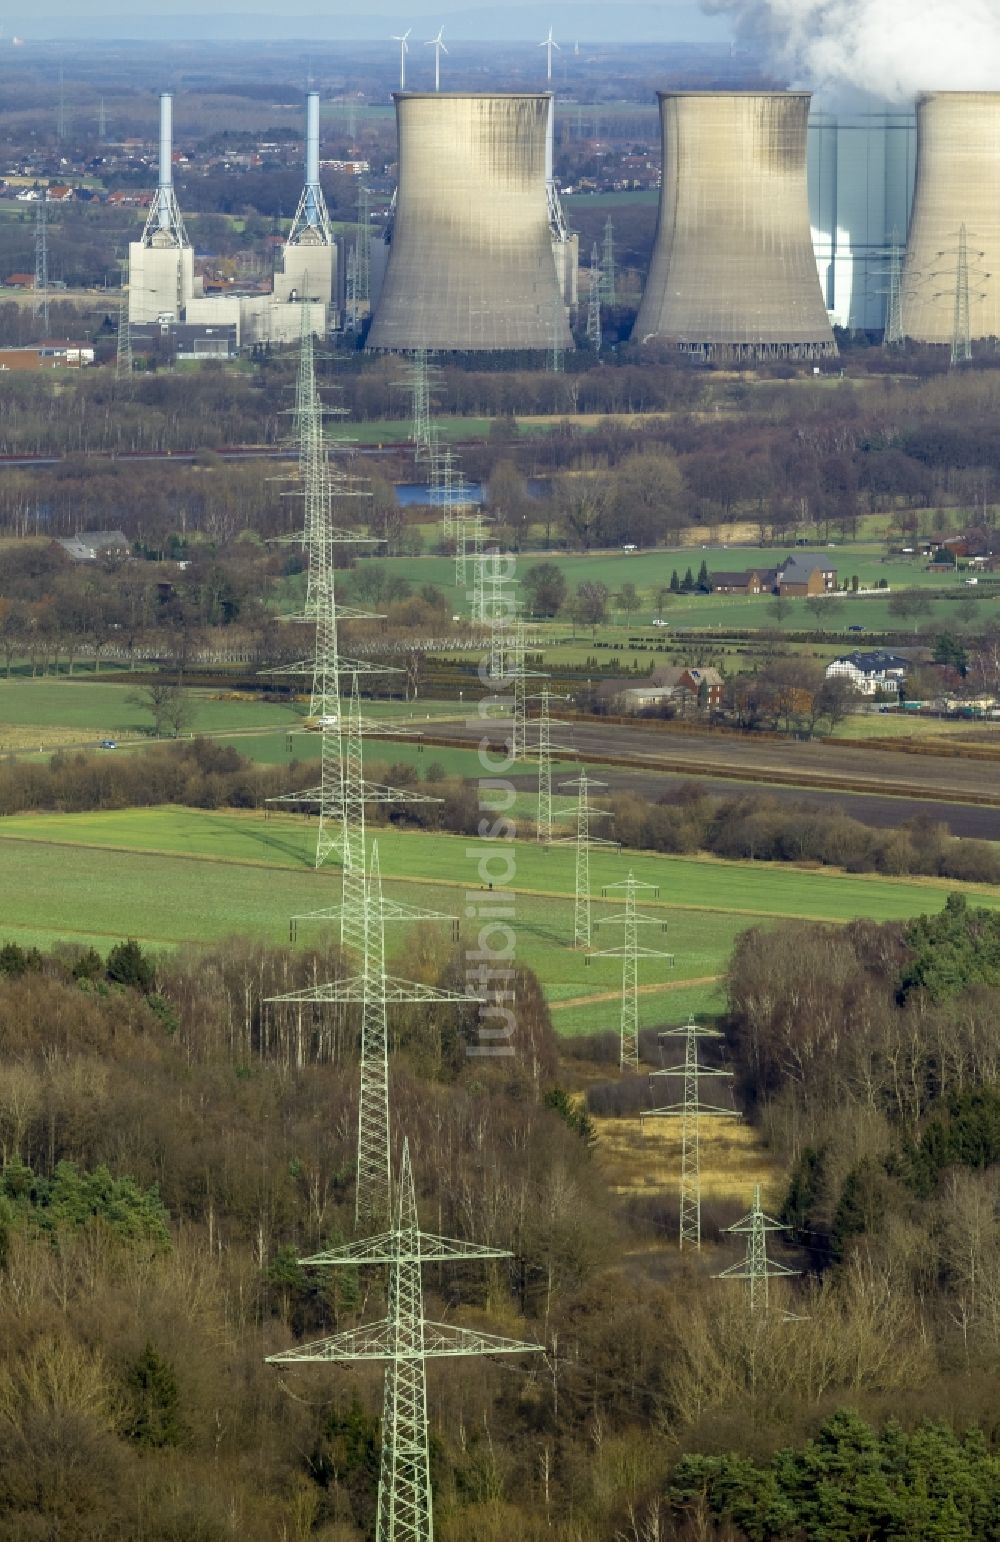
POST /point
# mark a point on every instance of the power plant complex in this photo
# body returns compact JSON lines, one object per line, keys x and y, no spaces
{"x":773,"y":226}
{"x":163,"y":287}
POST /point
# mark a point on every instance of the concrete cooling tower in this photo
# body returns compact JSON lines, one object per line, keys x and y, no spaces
{"x":733,"y":274}
{"x":470,"y":262}
{"x":958,"y":185}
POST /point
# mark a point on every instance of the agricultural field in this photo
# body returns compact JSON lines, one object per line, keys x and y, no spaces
{"x":650,"y":573}
{"x":49,"y":713}
{"x":197,"y":876}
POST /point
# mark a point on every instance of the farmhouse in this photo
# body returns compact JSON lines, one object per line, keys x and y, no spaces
{"x":806,"y":575}
{"x":870,"y":673}
{"x":750,"y":582}
{"x":685,"y":687}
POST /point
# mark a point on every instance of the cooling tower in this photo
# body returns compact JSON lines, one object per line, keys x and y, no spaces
{"x":958,"y":184}
{"x":470,"y":266}
{"x":733,"y":273}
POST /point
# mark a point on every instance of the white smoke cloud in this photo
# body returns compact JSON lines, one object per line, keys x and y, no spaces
{"x":893,"y":48}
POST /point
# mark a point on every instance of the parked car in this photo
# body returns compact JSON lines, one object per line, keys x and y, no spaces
{"x":855,"y":628}
{"x":107,"y":744}
{"x":659,"y":621}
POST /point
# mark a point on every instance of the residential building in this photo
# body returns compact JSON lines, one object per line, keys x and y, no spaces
{"x":806,"y":574}
{"x":685,"y":686}
{"x":871,"y":674}
{"x":91,"y":544}
{"x":750,"y":582}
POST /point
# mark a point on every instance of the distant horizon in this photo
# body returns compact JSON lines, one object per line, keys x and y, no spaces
{"x":627,"y":22}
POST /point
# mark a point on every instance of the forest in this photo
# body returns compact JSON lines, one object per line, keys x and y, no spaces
{"x":661,"y":447}
{"x":171,"y":1145}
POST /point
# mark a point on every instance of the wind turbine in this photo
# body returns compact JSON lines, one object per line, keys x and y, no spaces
{"x":437,"y":43}
{"x":404,"y":49}
{"x":550,"y":43}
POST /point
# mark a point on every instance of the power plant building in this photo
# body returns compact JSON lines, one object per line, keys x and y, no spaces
{"x":471,"y":265}
{"x":861,"y":172}
{"x":161,"y":264}
{"x":734,"y":273}
{"x":952,"y":267}
{"x":164,"y":289}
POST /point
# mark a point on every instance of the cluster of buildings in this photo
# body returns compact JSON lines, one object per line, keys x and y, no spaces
{"x":801,"y":576}
{"x":769,"y":231}
{"x":165,"y":293}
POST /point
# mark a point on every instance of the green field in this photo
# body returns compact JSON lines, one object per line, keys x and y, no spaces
{"x":650,"y":570}
{"x":195,"y":877}
{"x":83,"y":710}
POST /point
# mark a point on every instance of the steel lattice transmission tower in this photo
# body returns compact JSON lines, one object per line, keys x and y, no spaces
{"x":756,"y":1267}
{"x":41,"y":300}
{"x":360,"y":265}
{"x":123,"y":350}
{"x":325,"y":665}
{"x":690,"y":1112}
{"x":584,"y":842}
{"x":894,"y":312}
{"x":557,"y":353}
{"x":630,"y":952}
{"x":350,"y":913}
{"x":102,"y":121}
{"x":543,"y":750}
{"x":374,"y":990}
{"x":609,"y":286}
{"x":405,"y":1340}
{"x":961,"y":341}
{"x":595,"y":336}
{"x":418,"y":380}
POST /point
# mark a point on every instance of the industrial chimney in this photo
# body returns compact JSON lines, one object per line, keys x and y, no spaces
{"x":308,"y":268}
{"x":952,"y":281}
{"x":161,"y":264}
{"x":733,"y":274}
{"x":471,"y":264}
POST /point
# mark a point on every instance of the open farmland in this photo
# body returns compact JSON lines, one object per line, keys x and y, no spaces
{"x":197,"y":877}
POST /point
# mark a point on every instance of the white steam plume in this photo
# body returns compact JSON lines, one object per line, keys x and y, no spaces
{"x":893,"y":48}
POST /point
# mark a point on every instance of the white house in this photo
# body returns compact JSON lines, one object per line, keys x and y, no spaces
{"x":870,"y":673}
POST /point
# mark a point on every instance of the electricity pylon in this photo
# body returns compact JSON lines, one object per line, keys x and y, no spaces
{"x":41,"y":299}
{"x":350,"y":913}
{"x":102,"y":121}
{"x":584,"y":841}
{"x":375,"y":991}
{"x":123,"y":351}
{"x":894,"y":312}
{"x":325,"y":665}
{"x":557,"y":355}
{"x":359,"y":267}
{"x":609,"y":287}
{"x":961,"y":341}
{"x":691,"y":1111}
{"x":594,"y":335}
{"x":418,"y":379}
{"x":543,"y":749}
{"x":630,"y":953}
{"x":756,"y":1267}
{"x":519,"y":674}
{"x":405,"y":1340}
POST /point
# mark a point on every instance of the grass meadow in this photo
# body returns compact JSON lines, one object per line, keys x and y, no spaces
{"x":195,"y":877}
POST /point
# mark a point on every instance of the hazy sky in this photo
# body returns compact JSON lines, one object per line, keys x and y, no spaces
{"x":243,"y":20}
